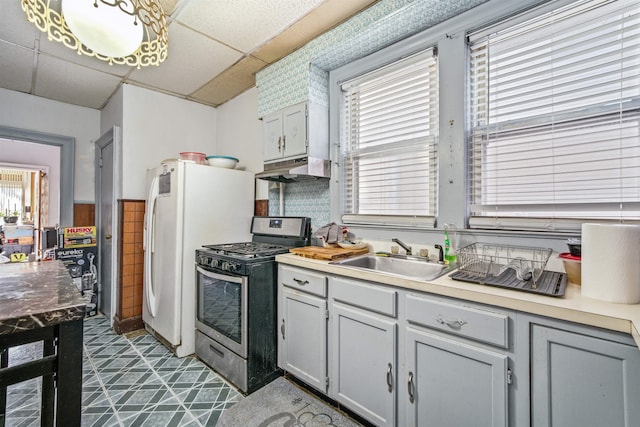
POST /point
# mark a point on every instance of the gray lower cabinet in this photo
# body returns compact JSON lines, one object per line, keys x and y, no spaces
{"x":363,"y":375}
{"x":302,"y":342}
{"x":457,"y":366}
{"x":362,"y":346}
{"x":450,"y":383}
{"x":401,"y":357}
{"x":581,"y":380}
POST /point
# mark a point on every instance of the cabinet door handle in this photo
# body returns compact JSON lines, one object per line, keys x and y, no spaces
{"x":453,"y":324}
{"x":282,"y":329}
{"x":389,"y":378}
{"x":301,"y":282}
{"x":410,"y":387}
{"x":279,"y":144}
{"x":284,"y":142}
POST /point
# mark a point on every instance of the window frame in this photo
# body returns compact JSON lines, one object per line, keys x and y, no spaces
{"x":450,"y":39}
{"x":428,"y":55}
{"x":522,"y":221}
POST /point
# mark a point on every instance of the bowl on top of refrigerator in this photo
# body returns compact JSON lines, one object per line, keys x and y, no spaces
{"x":199,"y":158}
{"x":227,"y":162}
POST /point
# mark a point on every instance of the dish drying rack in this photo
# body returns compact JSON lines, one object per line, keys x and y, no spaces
{"x":514,"y":267}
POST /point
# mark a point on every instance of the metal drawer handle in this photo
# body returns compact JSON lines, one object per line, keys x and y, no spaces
{"x":301,"y":282}
{"x":282,"y":328}
{"x":453,"y":324}
{"x":389,"y":378}
{"x":410,"y":387}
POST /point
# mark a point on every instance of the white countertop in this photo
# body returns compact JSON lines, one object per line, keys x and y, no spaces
{"x":572,"y":307}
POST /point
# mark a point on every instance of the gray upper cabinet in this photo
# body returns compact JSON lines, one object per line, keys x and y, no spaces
{"x":302,"y":342}
{"x":580,"y":380}
{"x":296,"y":131}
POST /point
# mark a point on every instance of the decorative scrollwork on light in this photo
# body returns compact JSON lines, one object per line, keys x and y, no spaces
{"x":152,"y":51}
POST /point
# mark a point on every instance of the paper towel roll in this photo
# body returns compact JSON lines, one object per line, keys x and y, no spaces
{"x":611,"y":262}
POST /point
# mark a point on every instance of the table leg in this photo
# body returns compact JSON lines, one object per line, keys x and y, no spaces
{"x":4,"y":362}
{"x":47,"y":414}
{"x":69,"y":374}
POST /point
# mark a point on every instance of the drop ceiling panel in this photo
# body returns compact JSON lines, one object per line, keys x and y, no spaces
{"x":327,"y":15}
{"x":244,"y":24}
{"x":73,"y":84}
{"x":191,"y":62}
{"x":14,"y":26}
{"x":60,"y":51}
{"x":17,"y":64}
{"x":215,"y":49}
{"x":231,"y":83}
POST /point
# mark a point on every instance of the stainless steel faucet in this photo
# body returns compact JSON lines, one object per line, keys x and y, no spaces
{"x":404,"y":246}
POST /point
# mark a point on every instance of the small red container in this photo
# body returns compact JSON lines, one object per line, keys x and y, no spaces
{"x":199,"y":158}
{"x":572,"y":266}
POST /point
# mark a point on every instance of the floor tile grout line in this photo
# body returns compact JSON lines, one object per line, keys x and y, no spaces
{"x":102,"y":386}
{"x":187,"y":410}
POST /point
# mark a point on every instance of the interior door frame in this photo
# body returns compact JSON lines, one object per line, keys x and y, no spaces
{"x":67,"y":146}
{"x":112,"y":136}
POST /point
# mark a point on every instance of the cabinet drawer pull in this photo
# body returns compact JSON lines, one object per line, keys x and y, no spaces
{"x":389,"y":378}
{"x":410,"y":387}
{"x":301,"y":282}
{"x":453,"y":324}
{"x":282,"y":328}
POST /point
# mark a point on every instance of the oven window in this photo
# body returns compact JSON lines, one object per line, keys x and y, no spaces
{"x":220,"y":306}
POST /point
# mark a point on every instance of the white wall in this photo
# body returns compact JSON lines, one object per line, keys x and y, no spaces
{"x":28,"y":112}
{"x":156,"y":127}
{"x":22,"y":153}
{"x":240,"y":135}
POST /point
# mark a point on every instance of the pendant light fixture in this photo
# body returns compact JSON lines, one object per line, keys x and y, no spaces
{"x":127,"y":32}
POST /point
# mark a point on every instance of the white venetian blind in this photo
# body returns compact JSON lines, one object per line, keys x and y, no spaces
{"x":555,"y":110}
{"x":388,"y":144}
{"x":11,"y":190}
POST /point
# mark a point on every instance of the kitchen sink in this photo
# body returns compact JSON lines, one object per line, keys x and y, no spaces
{"x":401,"y":266}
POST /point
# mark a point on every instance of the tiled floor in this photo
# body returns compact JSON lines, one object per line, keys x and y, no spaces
{"x":132,"y":381}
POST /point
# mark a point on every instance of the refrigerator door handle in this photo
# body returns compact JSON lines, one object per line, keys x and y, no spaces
{"x":149,"y":243}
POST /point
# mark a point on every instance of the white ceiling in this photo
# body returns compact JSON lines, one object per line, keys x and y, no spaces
{"x":215,"y":49}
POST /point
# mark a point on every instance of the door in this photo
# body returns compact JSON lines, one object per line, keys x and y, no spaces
{"x":363,"y":363}
{"x":583,"y":381}
{"x":106,"y":223}
{"x":453,"y":384}
{"x":222,"y":306}
{"x":162,"y":293}
{"x":294,"y":125}
{"x":303,"y":337}
{"x":272,"y":134}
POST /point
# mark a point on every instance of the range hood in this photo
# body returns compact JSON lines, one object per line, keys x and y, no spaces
{"x":296,"y":170}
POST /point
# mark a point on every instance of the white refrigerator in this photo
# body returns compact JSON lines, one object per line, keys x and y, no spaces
{"x":188,"y":205}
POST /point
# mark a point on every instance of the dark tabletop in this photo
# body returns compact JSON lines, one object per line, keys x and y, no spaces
{"x":37,"y":294}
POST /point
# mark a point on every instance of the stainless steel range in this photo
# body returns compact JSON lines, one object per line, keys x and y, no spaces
{"x":236,"y":301}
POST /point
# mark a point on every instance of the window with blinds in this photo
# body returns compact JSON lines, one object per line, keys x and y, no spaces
{"x":555,"y":118}
{"x":388,"y":144}
{"x":11,"y":190}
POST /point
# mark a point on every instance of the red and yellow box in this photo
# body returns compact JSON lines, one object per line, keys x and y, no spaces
{"x":79,"y":237}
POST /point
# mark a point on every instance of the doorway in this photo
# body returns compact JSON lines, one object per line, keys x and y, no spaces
{"x":24,"y":202}
{"x":65,"y":162}
{"x":107,"y":190}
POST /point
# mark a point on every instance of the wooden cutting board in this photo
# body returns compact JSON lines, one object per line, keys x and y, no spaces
{"x":327,"y":254}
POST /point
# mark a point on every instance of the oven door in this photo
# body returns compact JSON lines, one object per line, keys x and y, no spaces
{"x":222,"y":309}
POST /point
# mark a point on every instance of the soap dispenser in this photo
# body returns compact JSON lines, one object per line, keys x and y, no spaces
{"x":449,"y":243}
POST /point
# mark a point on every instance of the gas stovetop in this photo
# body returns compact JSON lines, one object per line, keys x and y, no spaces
{"x":247,"y":250}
